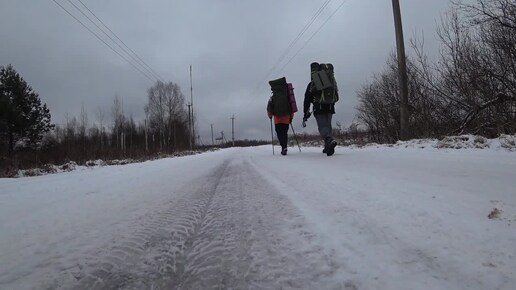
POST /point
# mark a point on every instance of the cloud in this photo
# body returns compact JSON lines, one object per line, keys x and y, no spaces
{"x":232,"y":45}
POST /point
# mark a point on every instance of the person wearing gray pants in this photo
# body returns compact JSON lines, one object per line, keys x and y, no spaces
{"x":323,"y":114}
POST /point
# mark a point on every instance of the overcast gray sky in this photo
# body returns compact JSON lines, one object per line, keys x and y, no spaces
{"x":231,"y":44}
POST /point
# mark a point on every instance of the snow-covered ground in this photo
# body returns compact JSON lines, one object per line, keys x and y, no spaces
{"x":377,"y":217}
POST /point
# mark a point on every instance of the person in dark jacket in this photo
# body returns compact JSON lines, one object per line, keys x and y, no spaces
{"x":281,"y":124}
{"x":323,"y":114}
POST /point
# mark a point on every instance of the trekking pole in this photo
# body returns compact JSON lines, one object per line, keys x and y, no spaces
{"x":295,"y":137}
{"x":272,"y":139}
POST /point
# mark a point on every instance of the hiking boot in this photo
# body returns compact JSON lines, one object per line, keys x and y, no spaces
{"x":331,"y":148}
{"x":327,"y":141}
{"x":284,"y":151}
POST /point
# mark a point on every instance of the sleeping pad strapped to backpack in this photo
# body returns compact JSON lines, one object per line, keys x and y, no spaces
{"x":283,"y":101}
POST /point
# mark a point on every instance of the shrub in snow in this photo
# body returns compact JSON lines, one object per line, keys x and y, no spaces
{"x":30,"y":172}
{"x":119,"y":162}
{"x":463,"y":141}
{"x":93,"y":163}
{"x":507,"y":141}
{"x":49,"y":169}
{"x":69,"y":166}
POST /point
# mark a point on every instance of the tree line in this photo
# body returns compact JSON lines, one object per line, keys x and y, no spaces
{"x":28,"y":138}
{"x":470,"y":88}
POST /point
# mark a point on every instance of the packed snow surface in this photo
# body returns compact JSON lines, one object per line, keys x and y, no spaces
{"x":377,"y":217}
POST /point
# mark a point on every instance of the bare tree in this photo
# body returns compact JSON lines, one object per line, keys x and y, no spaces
{"x":101,"y":116}
{"x":378,"y":107}
{"x":83,"y":126}
{"x":500,"y":12}
{"x":157,"y":109}
{"x":165,"y":109}
{"x":480,"y":42}
{"x":118,"y":120}
{"x":473,"y":81}
{"x":70,"y":134}
{"x":176,"y":115}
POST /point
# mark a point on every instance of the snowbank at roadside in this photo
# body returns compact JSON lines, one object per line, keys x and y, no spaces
{"x":504,"y":142}
{"x":71,"y":165}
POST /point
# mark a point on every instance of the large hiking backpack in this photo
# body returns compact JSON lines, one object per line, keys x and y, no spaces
{"x":282,"y":97}
{"x":324,"y":84}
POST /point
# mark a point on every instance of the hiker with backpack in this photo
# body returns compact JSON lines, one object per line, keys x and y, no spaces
{"x":281,"y":106}
{"x":322,"y":93}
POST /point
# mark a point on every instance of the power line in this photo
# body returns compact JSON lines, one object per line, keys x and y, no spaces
{"x":102,"y":40}
{"x":111,"y":38}
{"x":314,"y":17}
{"x":293,"y":42}
{"x":142,"y":62}
{"x":312,"y":36}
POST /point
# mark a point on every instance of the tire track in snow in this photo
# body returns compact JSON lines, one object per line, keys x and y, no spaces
{"x":232,"y":230}
{"x":167,"y":234}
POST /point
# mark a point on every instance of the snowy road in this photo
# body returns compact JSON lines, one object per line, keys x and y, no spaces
{"x":228,"y":229}
{"x":243,"y":219}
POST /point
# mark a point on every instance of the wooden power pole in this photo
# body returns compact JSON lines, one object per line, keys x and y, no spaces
{"x":233,"y":129}
{"x":402,"y":70}
{"x":190,"y":127}
{"x":191,"y":102}
{"x":212,"y":141}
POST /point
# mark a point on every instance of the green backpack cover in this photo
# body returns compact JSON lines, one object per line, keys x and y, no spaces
{"x":280,"y":100}
{"x":324,"y":83}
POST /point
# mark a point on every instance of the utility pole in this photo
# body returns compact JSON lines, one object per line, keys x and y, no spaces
{"x":189,"y":126}
{"x":212,"y":142}
{"x":233,"y":129}
{"x":402,"y":70}
{"x":191,"y":102}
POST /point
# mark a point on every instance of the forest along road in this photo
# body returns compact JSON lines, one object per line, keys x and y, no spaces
{"x":243,"y":219}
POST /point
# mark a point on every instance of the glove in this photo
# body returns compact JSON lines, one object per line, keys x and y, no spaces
{"x":305,"y":118}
